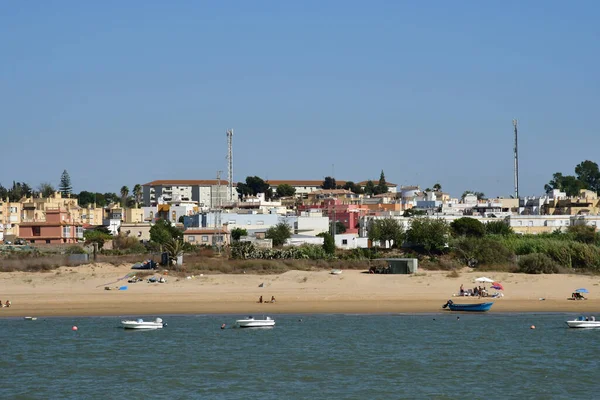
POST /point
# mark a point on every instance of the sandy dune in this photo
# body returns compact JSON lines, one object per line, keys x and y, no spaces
{"x":80,"y":291}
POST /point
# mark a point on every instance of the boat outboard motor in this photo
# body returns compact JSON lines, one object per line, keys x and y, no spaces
{"x":447,"y":304}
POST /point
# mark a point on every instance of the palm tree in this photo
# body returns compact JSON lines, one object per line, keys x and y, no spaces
{"x":124,"y":194}
{"x":137,"y":193}
{"x":175,"y":249}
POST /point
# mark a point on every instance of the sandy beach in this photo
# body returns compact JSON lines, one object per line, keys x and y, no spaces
{"x":80,"y":291}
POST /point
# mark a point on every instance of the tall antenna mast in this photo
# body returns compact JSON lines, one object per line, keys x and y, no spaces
{"x":516,"y":160}
{"x":230,"y":165}
{"x":217,"y":209}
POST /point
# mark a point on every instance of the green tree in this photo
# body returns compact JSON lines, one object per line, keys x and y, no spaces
{"x":583,"y":233}
{"x":328,"y":243}
{"x":437,"y":187}
{"x":65,"y":187}
{"x":498,"y":228}
{"x":84,"y":198}
{"x":285,"y":190}
{"x":237,"y":233}
{"x":137,"y":194}
{"x":162,"y":232}
{"x":111,"y":198}
{"x":588,"y":173}
{"x":279,"y":233}
{"x":568,"y":184}
{"x":370,"y":188}
{"x":329,"y":183}
{"x":353,"y":187}
{"x":96,"y":236}
{"x":340,"y":227}
{"x":428,"y":234}
{"x":174,"y":248}
{"x":387,"y":231}
{"x":467,"y":227}
{"x":253,"y":186}
{"x":124,"y":194}
{"x":46,"y":189}
{"x":3,"y":193}
{"x":18,"y":191}
{"x":381,"y":185}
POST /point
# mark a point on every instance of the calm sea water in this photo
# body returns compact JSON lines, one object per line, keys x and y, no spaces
{"x":320,"y":357}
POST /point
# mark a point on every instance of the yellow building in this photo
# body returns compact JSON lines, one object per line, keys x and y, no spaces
{"x":587,"y":203}
{"x":34,"y":209}
{"x":10,"y":218}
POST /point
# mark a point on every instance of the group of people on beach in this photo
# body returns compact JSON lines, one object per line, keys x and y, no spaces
{"x":7,"y":304}
{"x":260,"y":300}
{"x":476,"y":291}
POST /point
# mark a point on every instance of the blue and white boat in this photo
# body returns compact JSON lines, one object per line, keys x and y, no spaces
{"x":478,"y":307}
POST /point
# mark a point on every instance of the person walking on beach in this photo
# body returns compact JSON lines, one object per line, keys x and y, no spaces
{"x":260,"y":299}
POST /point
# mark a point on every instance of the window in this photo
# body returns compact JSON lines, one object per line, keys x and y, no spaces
{"x":35,"y":230}
{"x":205,"y":238}
{"x":191,"y":239}
{"x":32,"y":241}
{"x":344,"y":241}
{"x":66,"y":231}
{"x":232,"y":222}
{"x":13,"y":210}
{"x":47,"y":241}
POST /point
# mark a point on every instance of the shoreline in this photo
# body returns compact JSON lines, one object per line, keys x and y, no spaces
{"x":96,"y":309}
{"x":80,"y":291}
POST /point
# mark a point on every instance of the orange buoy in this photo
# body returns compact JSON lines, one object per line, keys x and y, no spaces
{"x":74,"y":328}
{"x":223,"y":326}
{"x":532,"y":327}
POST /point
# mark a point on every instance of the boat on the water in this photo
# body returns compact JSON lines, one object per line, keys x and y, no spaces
{"x":584,"y":323}
{"x":251,"y":322}
{"x":141,"y":324}
{"x":336,"y":272}
{"x":30,"y":318}
{"x":477,"y":307}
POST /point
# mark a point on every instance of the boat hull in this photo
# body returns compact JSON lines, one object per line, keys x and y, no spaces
{"x":583,"y":324}
{"x":255,"y":323}
{"x":141,"y":324}
{"x":480,"y":307}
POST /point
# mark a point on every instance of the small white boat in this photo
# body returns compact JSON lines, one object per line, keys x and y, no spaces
{"x":141,"y":324}
{"x":30,"y":318}
{"x":582,"y":323}
{"x":250,"y":322}
{"x":336,"y":272}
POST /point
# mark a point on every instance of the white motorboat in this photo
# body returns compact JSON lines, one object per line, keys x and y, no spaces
{"x":336,"y":272}
{"x":251,"y":322}
{"x":141,"y":324}
{"x":30,"y":318}
{"x":581,"y":322}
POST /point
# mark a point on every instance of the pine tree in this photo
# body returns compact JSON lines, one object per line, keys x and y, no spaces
{"x":65,"y":187}
{"x":381,"y":185}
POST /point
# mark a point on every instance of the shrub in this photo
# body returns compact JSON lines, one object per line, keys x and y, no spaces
{"x":467,"y":227}
{"x":482,"y":251}
{"x":498,"y":228}
{"x":538,"y":263}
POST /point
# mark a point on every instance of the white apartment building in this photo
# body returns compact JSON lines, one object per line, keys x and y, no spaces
{"x":207,"y":193}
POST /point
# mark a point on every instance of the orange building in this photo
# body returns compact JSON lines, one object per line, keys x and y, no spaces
{"x":57,"y":228}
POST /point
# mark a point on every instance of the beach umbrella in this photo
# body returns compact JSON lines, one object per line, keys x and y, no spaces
{"x":484,"y":279}
{"x":497,"y":286}
{"x":581,"y":290}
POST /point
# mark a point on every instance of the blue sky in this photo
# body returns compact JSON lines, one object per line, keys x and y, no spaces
{"x":120,"y":93}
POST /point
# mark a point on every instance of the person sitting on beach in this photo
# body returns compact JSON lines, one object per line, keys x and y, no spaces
{"x":462,"y":290}
{"x":8,"y":303}
{"x":272,"y":299}
{"x":260,"y":299}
